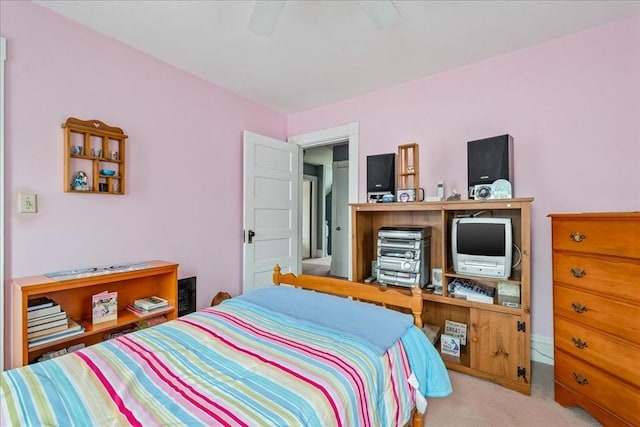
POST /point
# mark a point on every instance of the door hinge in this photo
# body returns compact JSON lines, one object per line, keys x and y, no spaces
{"x":522,"y":326}
{"x":522,"y":372}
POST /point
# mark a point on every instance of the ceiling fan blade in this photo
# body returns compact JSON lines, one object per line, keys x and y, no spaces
{"x":383,"y":13}
{"x":264,"y":17}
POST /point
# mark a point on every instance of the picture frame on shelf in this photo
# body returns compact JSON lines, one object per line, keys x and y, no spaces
{"x":104,"y":307}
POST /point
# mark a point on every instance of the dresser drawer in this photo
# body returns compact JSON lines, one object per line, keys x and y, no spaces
{"x":608,"y":353}
{"x":609,"y":237}
{"x":608,"y":276}
{"x":616,"y":318}
{"x":617,"y":396}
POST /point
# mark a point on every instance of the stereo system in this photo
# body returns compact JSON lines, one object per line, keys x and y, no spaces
{"x":490,"y":160}
{"x":404,"y":256}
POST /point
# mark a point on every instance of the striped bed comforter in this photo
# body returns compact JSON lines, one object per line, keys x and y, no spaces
{"x":237,"y":364}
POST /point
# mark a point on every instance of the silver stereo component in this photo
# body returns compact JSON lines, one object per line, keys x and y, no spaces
{"x":398,"y":243}
{"x":399,"y":264}
{"x":405,"y":233}
{"x":404,"y":256}
{"x":390,"y":277}
{"x":393,"y":252}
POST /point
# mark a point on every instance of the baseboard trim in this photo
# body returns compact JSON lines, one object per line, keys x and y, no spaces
{"x":542,"y":349}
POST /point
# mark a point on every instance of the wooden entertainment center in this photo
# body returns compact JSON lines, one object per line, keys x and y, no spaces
{"x":498,"y":337}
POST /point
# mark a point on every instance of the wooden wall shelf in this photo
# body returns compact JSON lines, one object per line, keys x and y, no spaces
{"x":91,"y":146}
{"x":409,"y":167}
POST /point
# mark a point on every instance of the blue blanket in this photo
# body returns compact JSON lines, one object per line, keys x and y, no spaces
{"x":373,"y":324}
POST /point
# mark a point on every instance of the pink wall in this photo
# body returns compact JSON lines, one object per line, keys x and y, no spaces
{"x":572,"y":106}
{"x":184,"y":170}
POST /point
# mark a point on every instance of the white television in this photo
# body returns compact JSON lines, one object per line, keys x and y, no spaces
{"x":482,"y":246}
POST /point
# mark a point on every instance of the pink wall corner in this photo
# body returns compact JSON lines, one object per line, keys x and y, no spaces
{"x":572,"y":106}
{"x":184,"y":169}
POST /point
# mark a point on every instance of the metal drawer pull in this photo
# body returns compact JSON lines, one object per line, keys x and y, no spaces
{"x":577,"y":237}
{"x":578,"y":308}
{"x":578,"y":272}
{"x":579,"y":343}
{"x":580,"y":379}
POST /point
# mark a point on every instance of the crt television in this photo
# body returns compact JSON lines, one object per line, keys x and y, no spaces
{"x":482,"y":246}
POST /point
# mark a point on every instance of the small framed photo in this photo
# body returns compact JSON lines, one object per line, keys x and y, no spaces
{"x":104,"y":307}
{"x":450,"y":345}
{"x":436,"y":277}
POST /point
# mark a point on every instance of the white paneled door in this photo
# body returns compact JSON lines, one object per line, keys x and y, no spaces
{"x":340,"y":214}
{"x":271,"y":205}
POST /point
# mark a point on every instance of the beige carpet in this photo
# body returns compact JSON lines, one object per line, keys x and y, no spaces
{"x":479,"y":403}
{"x":317,"y":266}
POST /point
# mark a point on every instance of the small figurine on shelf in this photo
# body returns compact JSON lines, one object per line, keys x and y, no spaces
{"x":454,"y":196}
{"x":80,"y":182}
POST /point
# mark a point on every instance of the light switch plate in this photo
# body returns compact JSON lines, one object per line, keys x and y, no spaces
{"x":28,"y":203}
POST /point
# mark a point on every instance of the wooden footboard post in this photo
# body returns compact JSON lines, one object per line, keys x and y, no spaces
{"x":416,"y":306}
{"x":276,"y":274}
{"x":417,"y":419}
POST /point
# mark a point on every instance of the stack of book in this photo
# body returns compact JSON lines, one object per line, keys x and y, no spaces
{"x":471,"y":290}
{"x":47,"y":322}
{"x":148,"y":305}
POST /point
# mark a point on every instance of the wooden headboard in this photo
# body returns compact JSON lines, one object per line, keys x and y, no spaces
{"x":405,"y":298}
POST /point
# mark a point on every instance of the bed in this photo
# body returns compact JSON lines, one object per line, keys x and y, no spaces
{"x":277,"y":356}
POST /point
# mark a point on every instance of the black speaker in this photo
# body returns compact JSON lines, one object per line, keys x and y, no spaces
{"x":490,"y":159}
{"x":381,"y":174}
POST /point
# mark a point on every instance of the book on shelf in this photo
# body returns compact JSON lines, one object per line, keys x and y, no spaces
{"x":39,"y":303}
{"x":471,"y":290}
{"x":57,"y":353}
{"x":152,"y":321}
{"x":140,"y":312}
{"x":432,"y":332}
{"x":150,"y":303}
{"x":46,"y":319}
{"x":73,"y":329}
{"x":41,"y":312}
{"x":104,"y":307}
{"x":480,"y":298}
{"x":43,"y":328}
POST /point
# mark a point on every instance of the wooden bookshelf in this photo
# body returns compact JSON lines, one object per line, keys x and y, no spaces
{"x":160,"y":278}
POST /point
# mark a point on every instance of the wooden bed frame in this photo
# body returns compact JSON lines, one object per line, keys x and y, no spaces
{"x":410,"y":299}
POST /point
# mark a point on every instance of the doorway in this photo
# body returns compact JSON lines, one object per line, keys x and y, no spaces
{"x":319,"y":209}
{"x":309,"y":216}
{"x":326,"y":141}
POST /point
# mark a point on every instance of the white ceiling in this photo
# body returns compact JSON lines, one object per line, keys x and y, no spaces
{"x":322,"y":52}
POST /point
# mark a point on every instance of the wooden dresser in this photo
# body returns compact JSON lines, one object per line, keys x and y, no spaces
{"x":596,"y":305}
